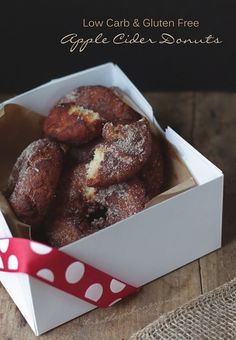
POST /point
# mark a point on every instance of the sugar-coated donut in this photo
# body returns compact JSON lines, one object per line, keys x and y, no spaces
{"x":34,"y":179}
{"x":68,"y":200}
{"x":66,"y":230}
{"x":121,"y":200}
{"x":124,"y":151}
{"x":72,"y":123}
{"x":109,"y":205}
{"x":67,"y":220}
{"x":152,"y":173}
{"x":103,"y":100}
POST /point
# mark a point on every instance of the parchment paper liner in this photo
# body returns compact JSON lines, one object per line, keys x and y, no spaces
{"x":20,"y":126}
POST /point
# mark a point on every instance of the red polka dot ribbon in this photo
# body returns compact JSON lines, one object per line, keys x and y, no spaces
{"x":62,"y":271}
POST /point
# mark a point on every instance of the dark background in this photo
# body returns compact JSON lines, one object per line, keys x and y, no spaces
{"x":31,"y":53}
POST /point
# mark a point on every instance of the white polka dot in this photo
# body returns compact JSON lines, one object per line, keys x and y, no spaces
{"x":40,"y":249}
{"x":94,"y":292}
{"x":75,"y":272}
{"x":116,"y":286}
{"x":1,"y":263}
{"x":4,"y":244}
{"x":46,"y":274}
{"x":117,"y":300}
{"x":12,"y":262}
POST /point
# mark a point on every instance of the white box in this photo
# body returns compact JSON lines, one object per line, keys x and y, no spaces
{"x":139,"y":249}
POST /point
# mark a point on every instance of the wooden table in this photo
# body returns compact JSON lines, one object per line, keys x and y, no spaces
{"x":208,"y":121}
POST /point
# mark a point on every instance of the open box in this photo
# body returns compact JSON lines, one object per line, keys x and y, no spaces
{"x":140,"y":249}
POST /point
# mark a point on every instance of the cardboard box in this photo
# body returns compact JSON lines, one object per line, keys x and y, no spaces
{"x":140,"y":249}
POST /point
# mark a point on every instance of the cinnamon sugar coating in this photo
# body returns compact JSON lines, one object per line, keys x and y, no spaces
{"x":68,"y":200}
{"x":67,"y":221}
{"x":152,"y":173}
{"x":65,"y":230}
{"x":112,"y":204}
{"x":124,"y":151}
{"x":121,"y":200}
{"x":103,"y":100}
{"x":34,"y":179}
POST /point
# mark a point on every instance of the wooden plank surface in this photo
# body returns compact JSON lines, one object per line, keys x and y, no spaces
{"x":215,"y":136}
{"x":208,"y":121}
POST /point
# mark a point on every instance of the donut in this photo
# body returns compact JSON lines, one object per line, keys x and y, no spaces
{"x":74,"y":190}
{"x":109,"y":205}
{"x":120,"y":201}
{"x":68,"y":200}
{"x":67,"y":221}
{"x":65,"y":230}
{"x":103,"y":100}
{"x":124,"y":151}
{"x":34,"y":179}
{"x":72,"y":123}
{"x":152,"y":173}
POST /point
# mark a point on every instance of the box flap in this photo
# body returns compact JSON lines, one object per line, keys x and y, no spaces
{"x":201,"y":168}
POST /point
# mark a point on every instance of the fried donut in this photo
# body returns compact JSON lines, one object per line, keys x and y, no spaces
{"x":107,"y":206}
{"x":67,"y":221}
{"x":152,"y":173}
{"x":65,"y":230}
{"x":34,"y":179}
{"x":73,"y":195}
{"x":124,"y":151}
{"x":71,"y":123}
{"x":68,"y":201}
{"x":103,"y":100}
{"x":120,"y":201}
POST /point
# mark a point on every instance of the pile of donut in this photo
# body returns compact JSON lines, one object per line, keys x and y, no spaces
{"x":96,"y":164}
